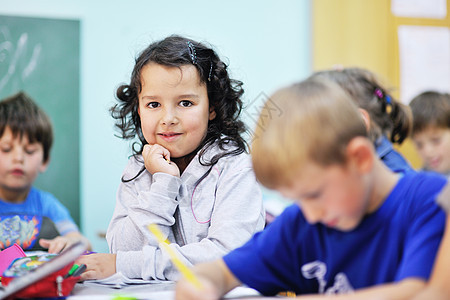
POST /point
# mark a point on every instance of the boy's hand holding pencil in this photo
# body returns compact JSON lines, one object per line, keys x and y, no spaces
{"x":186,"y":291}
{"x":192,"y":287}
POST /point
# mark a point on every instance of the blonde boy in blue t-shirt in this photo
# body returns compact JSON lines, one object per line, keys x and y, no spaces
{"x":358,"y":229}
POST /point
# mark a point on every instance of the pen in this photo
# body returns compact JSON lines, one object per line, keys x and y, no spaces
{"x":74,"y":267}
{"x":79,"y":270}
{"x":187,"y":273}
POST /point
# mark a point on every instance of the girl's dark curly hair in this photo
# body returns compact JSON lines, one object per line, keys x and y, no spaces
{"x":224,"y":95}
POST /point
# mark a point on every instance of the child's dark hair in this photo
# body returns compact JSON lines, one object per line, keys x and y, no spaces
{"x":388,"y":116}
{"x":24,"y":117}
{"x":430,"y":108}
{"x":224,"y":94}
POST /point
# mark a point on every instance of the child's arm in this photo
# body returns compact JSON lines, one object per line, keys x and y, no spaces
{"x":60,"y":216}
{"x":147,"y":199}
{"x":404,"y":289}
{"x":438,"y":286}
{"x":216,"y":280}
{"x":60,"y":243}
{"x":230,"y":213}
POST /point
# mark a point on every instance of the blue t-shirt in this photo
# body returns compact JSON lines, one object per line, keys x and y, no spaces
{"x":397,"y":241}
{"x":391,"y":158}
{"x":24,"y":223}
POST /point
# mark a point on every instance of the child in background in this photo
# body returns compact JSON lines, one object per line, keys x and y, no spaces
{"x":32,"y":218}
{"x":388,"y":120}
{"x":190,"y":175}
{"x":431,"y":135}
{"x":431,"y":130}
{"x":358,"y":228}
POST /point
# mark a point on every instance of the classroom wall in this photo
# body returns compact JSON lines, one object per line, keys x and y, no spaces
{"x":267,"y":45}
{"x":365,"y":34}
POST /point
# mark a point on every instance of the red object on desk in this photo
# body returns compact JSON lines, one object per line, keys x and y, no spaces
{"x":8,"y":255}
{"x":53,"y":285}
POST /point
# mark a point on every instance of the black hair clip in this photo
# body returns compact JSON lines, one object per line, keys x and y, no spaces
{"x":192,"y":52}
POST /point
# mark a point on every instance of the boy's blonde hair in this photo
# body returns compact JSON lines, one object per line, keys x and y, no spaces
{"x":318,"y":120}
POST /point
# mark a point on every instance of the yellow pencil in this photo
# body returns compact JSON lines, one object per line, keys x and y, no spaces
{"x":187,"y":273}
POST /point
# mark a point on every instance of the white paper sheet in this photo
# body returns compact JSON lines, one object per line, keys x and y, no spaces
{"x":143,"y":293}
{"x":435,"y":9}
{"x":424,"y":60}
{"x":118,"y":280}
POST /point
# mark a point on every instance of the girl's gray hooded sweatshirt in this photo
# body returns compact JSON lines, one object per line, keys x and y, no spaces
{"x":202,"y":220}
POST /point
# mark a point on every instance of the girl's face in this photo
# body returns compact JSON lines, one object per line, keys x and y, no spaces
{"x":20,"y":164}
{"x":336,"y":196}
{"x":433,"y":146}
{"x":174,"y":108}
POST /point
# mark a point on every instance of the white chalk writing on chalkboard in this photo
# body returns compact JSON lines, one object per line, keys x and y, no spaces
{"x":13,"y":55}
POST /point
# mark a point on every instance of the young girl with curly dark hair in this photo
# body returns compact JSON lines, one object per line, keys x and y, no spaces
{"x":190,"y":173}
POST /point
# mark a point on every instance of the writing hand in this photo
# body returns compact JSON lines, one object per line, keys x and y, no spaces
{"x":157,"y":159}
{"x":186,"y":291}
{"x":98,"y":265}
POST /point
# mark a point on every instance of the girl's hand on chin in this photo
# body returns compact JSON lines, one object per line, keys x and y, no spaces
{"x":157,"y":159}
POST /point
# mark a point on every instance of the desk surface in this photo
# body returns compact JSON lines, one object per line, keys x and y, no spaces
{"x":144,"y":291}
{"x":157,"y":291}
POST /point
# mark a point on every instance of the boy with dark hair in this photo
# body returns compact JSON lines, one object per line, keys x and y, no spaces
{"x":431,"y":130}
{"x":32,"y":218}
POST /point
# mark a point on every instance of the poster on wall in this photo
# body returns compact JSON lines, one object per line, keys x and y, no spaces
{"x":433,"y":9}
{"x":424,"y":60}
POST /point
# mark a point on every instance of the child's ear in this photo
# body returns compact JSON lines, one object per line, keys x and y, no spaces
{"x":44,"y":166}
{"x":366,"y":118}
{"x":360,"y":154}
{"x":212,"y":113}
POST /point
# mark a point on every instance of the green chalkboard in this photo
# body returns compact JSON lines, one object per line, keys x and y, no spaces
{"x":41,"y":57}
